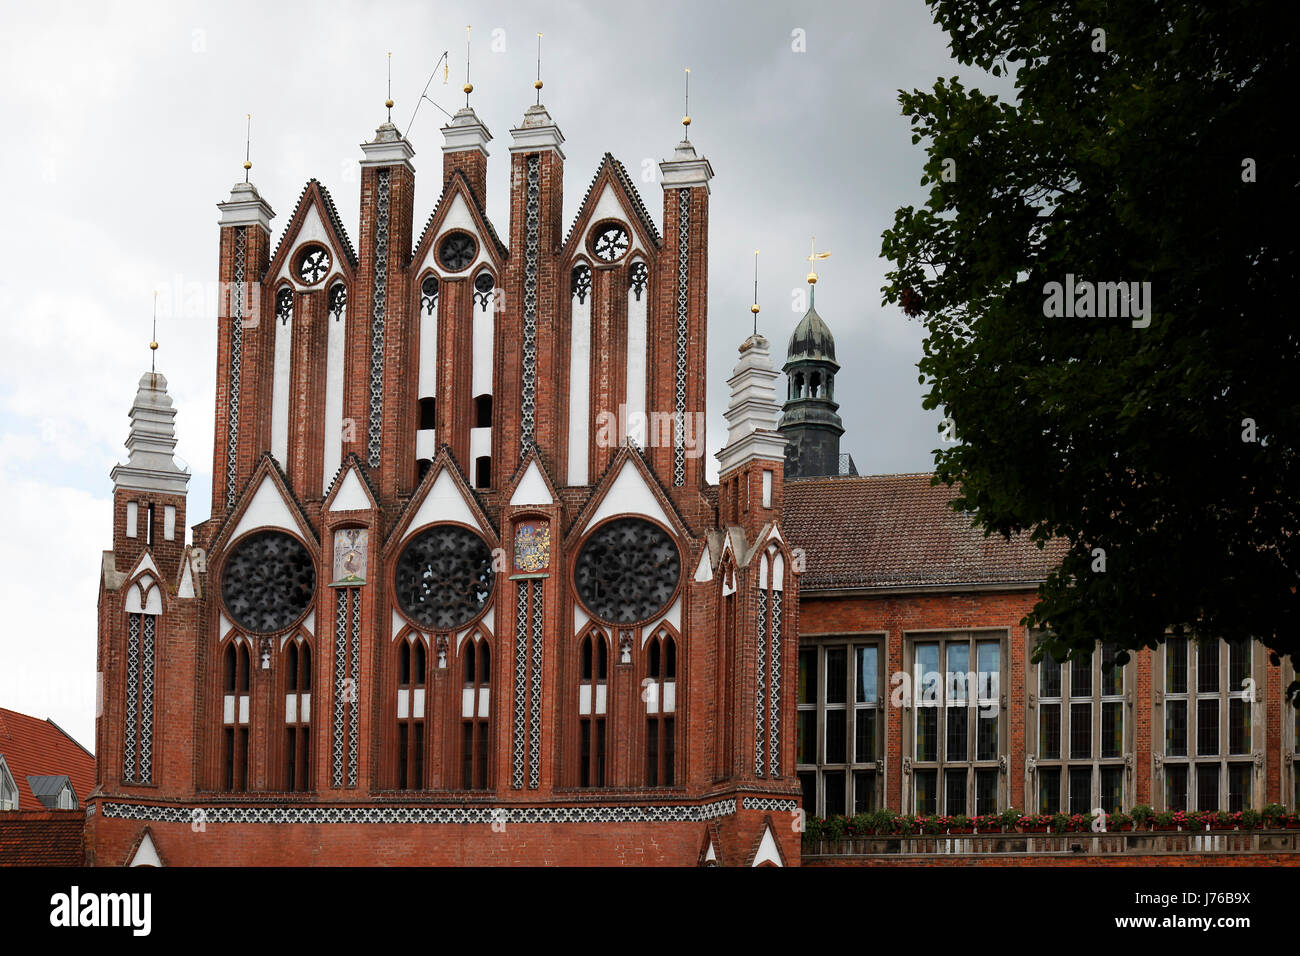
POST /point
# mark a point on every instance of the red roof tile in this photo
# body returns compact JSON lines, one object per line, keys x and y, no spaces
{"x":880,"y":531}
{"x":44,"y":838}
{"x":34,"y":747}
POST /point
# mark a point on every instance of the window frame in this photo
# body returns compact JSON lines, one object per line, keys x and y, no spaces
{"x":1224,"y":760}
{"x":852,"y":767}
{"x":941,"y":765}
{"x":1065,"y":700}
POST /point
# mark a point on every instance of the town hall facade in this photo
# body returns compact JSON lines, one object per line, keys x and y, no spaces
{"x":438,"y":616}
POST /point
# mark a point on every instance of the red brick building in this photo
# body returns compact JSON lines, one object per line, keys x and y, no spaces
{"x":466,"y":597}
{"x":45,"y":776}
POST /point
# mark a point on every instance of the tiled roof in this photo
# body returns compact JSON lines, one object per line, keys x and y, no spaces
{"x":35,"y":748}
{"x":880,"y":531}
{"x":44,"y":838}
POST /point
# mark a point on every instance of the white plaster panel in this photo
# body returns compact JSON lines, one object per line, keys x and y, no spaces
{"x":426,"y":443}
{"x":169,"y":522}
{"x":483,"y":700}
{"x":629,"y":494}
{"x":290,"y":708}
{"x":584,"y":699}
{"x":335,"y":369}
{"x":607,"y":207}
{"x":351,"y":495}
{"x":132,"y":518}
{"x":280,"y":390}
{"x":458,"y":218}
{"x":670,"y":696}
{"x":403,"y":704}
{"x":266,"y":510}
{"x":444,"y":502}
{"x":531,"y":489}
{"x":306,"y":708}
{"x":480,"y":446}
{"x":579,"y":391}
{"x":467,"y":702}
{"x":704,"y":570}
{"x":484,"y":333}
{"x":418,"y":703}
{"x":228,"y":710}
{"x":313,"y":230}
{"x":637,"y":331}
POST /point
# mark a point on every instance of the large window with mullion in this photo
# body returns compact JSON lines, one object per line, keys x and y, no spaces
{"x":1208,"y":698}
{"x":840,"y":724}
{"x":958,"y":728}
{"x":1082,"y":730}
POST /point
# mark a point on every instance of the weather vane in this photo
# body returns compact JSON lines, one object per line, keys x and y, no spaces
{"x":813,"y":257}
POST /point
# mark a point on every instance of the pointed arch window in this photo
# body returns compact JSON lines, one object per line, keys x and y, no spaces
{"x":297,"y":715}
{"x":412,"y":674}
{"x":483,"y":411}
{"x":659,"y":692}
{"x":593,"y":705}
{"x":235,"y":716}
{"x":474,"y":712}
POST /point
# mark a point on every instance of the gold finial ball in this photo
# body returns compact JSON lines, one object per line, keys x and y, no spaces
{"x":812,"y":278}
{"x":537,"y":84}
{"x":153,"y":346}
{"x":469,"y":87}
{"x":754,"y":308}
{"x":247,"y":164}
{"x":388,"y":103}
{"x":686,"y":121}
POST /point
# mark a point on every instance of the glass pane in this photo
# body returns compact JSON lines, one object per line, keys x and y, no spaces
{"x":1049,"y":731}
{"x":954,"y":792}
{"x":1207,"y":667}
{"x":958,"y":734}
{"x":1238,"y":726}
{"x":1049,"y":789}
{"x":864,"y":737}
{"x":1112,"y":789}
{"x":1176,"y":665}
{"x":836,"y":736}
{"x":1239,"y":775}
{"x":833,"y":780}
{"x":986,"y":737}
{"x":1176,"y":728}
{"x":927,"y":733}
{"x":1081,"y":675}
{"x":837,"y":674}
{"x":1207,"y":727}
{"x":1238,"y":663}
{"x":927,"y":672}
{"x":926,"y":795}
{"x":808,"y":780}
{"x":1176,"y":786}
{"x":986,"y":791}
{"x":1080,"y":789}
{"x":1112,"y":678}
{"x":1112,"y":728}
{"x":958,"y":665}
{"x":864,"y":791}
{"x":868,"y":678}
{"x":1049,"y":677}
{"x":1080,"y":731}
{"x":807,"y":675}
{"x":1207,"y":786}
{"x":989,"y":658}
{"x":807,"y":737}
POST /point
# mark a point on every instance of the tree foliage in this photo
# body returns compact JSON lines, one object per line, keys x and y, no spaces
{"x":1126,"y":156}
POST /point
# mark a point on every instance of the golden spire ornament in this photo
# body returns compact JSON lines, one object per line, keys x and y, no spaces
{"x":814,"y":255}
{"x":388,"y":103}
{"x":686,"y":117}
{"x":469,"y":87}
{"x":754,"y":308}
{"x":153,"y":343}
{"x":537,"y":84}
{"x":248,"y":146}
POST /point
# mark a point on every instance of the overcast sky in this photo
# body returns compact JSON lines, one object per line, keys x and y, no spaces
{"x":125,"y":125}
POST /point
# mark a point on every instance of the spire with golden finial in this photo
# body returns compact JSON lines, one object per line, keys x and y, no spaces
{"x":754,"y":308}
{"x":388,"y":103}
{"x":537,"y":84}
{"x":813,"y":256}
{"x":686,"y":117}
{"x":153,"y":343}
{"x":248,"y":147}
{"x":469,"y":87}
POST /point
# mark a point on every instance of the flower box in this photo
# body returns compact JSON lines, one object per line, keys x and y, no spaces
{"x":991,"y":828}
{"x":1166,"y":827}
{"x":954,"y":831}
{"x":1293,"y":824}
{"x":1033,"y":828}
